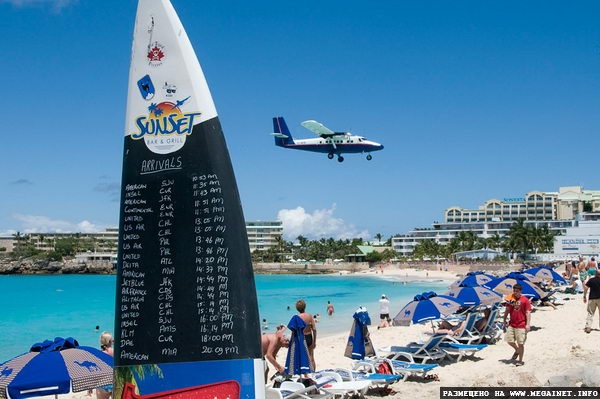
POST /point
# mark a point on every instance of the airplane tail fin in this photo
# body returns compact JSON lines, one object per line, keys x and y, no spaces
{"x":281,"y":132}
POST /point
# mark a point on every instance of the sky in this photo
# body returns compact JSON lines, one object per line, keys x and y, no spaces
{"x":472,"y":101}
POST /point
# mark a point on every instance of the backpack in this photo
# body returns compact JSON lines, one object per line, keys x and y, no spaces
{"x":384,"y":368}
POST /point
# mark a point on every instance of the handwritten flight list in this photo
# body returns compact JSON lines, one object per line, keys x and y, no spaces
{"x":174,"y":286}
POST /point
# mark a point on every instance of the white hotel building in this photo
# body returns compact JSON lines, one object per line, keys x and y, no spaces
{"x":561,"y":211}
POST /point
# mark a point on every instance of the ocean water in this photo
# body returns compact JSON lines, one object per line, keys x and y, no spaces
{"x":43,"y":307}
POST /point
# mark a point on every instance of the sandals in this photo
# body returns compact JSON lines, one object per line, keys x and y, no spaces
{"x":519,"y":363}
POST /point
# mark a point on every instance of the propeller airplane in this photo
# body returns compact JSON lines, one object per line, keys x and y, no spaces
{"x":329,"y":142}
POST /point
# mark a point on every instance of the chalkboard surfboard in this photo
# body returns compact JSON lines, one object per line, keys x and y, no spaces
{"x":187,"y":323}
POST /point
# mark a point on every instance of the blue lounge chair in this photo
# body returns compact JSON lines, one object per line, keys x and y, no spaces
{"x":493,"y":329}
{"x":454,"y":348}
{"x":398,"y":367}
{"x":469,"y":334}
{"x":428,"y":351}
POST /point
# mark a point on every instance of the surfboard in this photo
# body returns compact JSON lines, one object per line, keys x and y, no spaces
{"x":187,"y":322}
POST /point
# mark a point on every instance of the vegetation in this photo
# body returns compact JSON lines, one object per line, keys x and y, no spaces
{"x":520,"y":239}
{"x":318,"y":250}
{"x":61,"y":247}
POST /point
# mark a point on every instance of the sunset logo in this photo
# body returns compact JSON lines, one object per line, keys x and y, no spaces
{"x":165,"y":128}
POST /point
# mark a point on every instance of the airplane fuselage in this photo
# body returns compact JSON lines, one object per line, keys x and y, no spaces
{"x":336,"y":145}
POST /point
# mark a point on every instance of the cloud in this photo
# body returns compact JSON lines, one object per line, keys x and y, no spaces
{"x":43,"y":224}
{"x":320,"y":224}
{"x":21,"y":182}
{"x":56,"y":5}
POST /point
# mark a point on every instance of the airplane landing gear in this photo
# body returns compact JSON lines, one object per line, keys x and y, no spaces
{"x":330,"y":155}
{"x":340,"y":158}
{"x":369,"y":157}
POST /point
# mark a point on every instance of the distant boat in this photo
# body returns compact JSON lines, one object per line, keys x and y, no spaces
{"x":186,"y":310}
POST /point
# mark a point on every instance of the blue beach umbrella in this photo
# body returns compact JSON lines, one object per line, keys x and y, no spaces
{"x":297,"y":361}
{"x":542,"y":273}
{"x":504,"y":285}
{"x":473,"y":279}
{"x":472,"y":296}
{"x":359,"y":342}
{"x":427,"y":306}
{"x":55,"y":367}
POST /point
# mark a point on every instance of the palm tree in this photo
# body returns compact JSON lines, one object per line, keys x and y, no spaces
{"x":519,"y":237}
{"x":378,"y":236}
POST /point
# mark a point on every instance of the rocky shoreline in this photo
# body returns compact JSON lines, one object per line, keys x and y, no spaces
{"x":32,"y":266}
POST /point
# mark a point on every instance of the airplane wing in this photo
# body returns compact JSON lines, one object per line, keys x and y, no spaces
{"x":319,"y":129}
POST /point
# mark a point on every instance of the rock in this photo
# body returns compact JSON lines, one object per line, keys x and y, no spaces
{"x":31,"y":266}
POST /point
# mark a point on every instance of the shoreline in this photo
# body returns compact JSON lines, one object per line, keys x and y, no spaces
{"x":557,"y":352}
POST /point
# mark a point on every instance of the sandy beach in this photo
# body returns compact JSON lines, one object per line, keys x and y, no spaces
{"x":557,"y":352}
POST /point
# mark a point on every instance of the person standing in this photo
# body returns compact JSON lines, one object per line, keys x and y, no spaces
{"x":519,"y":309}
{"x":330,"y":309}
{"x":384,"y":312}
{"x":593,"y":302}
{"x":310,"y":331}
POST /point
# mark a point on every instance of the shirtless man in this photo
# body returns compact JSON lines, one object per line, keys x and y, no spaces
{"x":310,"y":331}
{"x":271,"y":343}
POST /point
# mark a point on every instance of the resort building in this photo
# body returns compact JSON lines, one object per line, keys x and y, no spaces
{"x":557,"y":210}
{"x":261,"y":235}
{"x":264,"y":235}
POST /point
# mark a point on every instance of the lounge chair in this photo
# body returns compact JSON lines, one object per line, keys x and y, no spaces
{"x":399,"y":367}
{"x":333,"y":382}
{"x":469,"y":334}
{"x":454,"y":348}
{"x":296,"y":390}
{"x":493,"y":329}
{"x":428,"y":351}
{"x":374,"y":377}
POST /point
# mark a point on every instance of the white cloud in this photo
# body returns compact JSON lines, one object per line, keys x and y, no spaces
{"x":56,"y":5}
{"x":320,"y":224}
{"x":43,"y":224}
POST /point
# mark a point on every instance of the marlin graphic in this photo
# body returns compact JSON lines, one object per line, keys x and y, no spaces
{"x":179,"y":103}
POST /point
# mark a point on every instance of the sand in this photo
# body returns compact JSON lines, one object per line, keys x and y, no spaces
{"x":557,"y":352}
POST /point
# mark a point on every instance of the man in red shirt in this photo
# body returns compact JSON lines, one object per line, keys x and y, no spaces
{"x":519,"y":309}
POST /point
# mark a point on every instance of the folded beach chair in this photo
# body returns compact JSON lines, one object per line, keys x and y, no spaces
{"x":454,"y":348}
{"x":428,"y":351}
{"x":398,"y":367}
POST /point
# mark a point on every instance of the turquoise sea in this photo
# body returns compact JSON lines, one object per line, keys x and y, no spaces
{"x":43,"y":307}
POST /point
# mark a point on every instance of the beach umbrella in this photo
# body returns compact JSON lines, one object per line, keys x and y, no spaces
{"x":359,"y":342}
{"x":55,"y":367}
{"x":427,"y":306}
{"x":472,"y":296}
{"x":504,"y":285}
{"x":473,"y":279}
{"x":542,"y":273}
{"x":297,"y":361}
